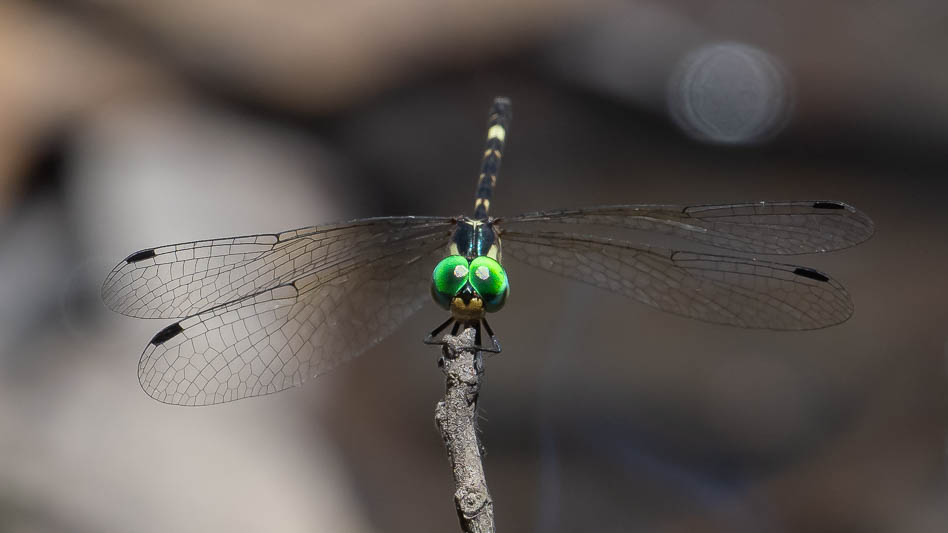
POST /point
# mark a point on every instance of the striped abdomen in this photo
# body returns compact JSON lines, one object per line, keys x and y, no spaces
{"x":497,"y":124}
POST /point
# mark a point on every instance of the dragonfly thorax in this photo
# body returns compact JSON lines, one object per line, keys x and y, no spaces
{"x":473,"y":238}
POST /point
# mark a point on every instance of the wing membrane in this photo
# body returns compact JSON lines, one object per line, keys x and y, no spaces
{"x":180,"y":280}
{"x":735,"y":291}
{"x":783,"y":228}
{"x":279,"y":337}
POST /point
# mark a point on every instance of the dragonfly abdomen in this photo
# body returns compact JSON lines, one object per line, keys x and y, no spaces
{"x":497,"y":123}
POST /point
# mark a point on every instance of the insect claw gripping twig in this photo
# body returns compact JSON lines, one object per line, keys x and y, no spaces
{"x":432,"y":337}
{"x":493,"y":338}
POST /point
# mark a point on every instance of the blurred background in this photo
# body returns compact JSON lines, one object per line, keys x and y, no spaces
{"x":125,"y":125}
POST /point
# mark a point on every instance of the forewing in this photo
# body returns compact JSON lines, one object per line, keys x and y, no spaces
{"x":714,"y":288}
{"x":278,"y":338}
{"x":181,"y":280}
{"x":797,"y":227}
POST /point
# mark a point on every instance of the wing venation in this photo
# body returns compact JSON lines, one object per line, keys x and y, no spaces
{"x":736,"y":291}
{"x":278,"y":338}
{"x":780,"y":228}
{"x":179,"y":280}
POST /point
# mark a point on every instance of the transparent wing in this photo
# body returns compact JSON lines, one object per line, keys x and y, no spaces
{"x":797,"y":227}
{"x":735,"y":291}
{"x":180,"y":280}
{"x":279,"y":337}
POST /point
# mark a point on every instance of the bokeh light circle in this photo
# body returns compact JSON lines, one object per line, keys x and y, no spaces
{"x":730,"y":93}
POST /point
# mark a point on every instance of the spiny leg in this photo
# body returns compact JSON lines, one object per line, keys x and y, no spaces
{"x":436,"y":331}
{"x":493,"y":337}
{"x":487,"y":327}
{"x":476,"y":324}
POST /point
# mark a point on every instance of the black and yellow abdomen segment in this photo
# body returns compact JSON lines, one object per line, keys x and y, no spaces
{"x":497,"y":123}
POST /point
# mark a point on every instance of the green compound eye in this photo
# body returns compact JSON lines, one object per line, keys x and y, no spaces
{"x":490,"y":281}
{"x":448,"y":278}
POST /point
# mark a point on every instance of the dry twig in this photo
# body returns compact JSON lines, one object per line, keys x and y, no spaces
{"x":456,"y":416}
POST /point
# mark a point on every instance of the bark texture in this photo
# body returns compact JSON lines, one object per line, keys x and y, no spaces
{"x":456,"y":416}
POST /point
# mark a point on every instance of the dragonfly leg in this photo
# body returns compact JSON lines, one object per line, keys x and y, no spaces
{"x":496,"y":345}
{"x":430,"y":339}
{"x":493,"y":338}
{"x":476,"y":324}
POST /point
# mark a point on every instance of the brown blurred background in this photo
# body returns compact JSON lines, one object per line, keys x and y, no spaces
{"x":131,"y":124}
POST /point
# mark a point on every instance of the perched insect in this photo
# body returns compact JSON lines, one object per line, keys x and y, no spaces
{"x":262,"y":313}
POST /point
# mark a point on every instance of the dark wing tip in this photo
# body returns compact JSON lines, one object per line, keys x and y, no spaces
{"x":810,"y":273}
{"x":829,"y":205}
{"x":860,"y":218}
{"x":167,"y":333}
{"x":140,"y":256}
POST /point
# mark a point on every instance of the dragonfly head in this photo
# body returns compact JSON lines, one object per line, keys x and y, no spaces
{"x":469,"y":289}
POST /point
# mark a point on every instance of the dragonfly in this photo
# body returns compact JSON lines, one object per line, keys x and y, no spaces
{"x":258,"y":314}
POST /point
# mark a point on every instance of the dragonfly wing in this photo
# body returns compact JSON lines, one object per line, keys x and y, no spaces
{"x":179,"y":280}
{"x":735,"y":291}
{"x":279,"y":337}
{"x":783,"y":228}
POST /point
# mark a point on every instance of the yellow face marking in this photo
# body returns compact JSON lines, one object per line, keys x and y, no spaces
{"x":472,"y":311}
{"x":497,"y":132}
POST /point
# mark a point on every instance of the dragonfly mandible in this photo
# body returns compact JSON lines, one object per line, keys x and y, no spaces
{"x":263,"y":313}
